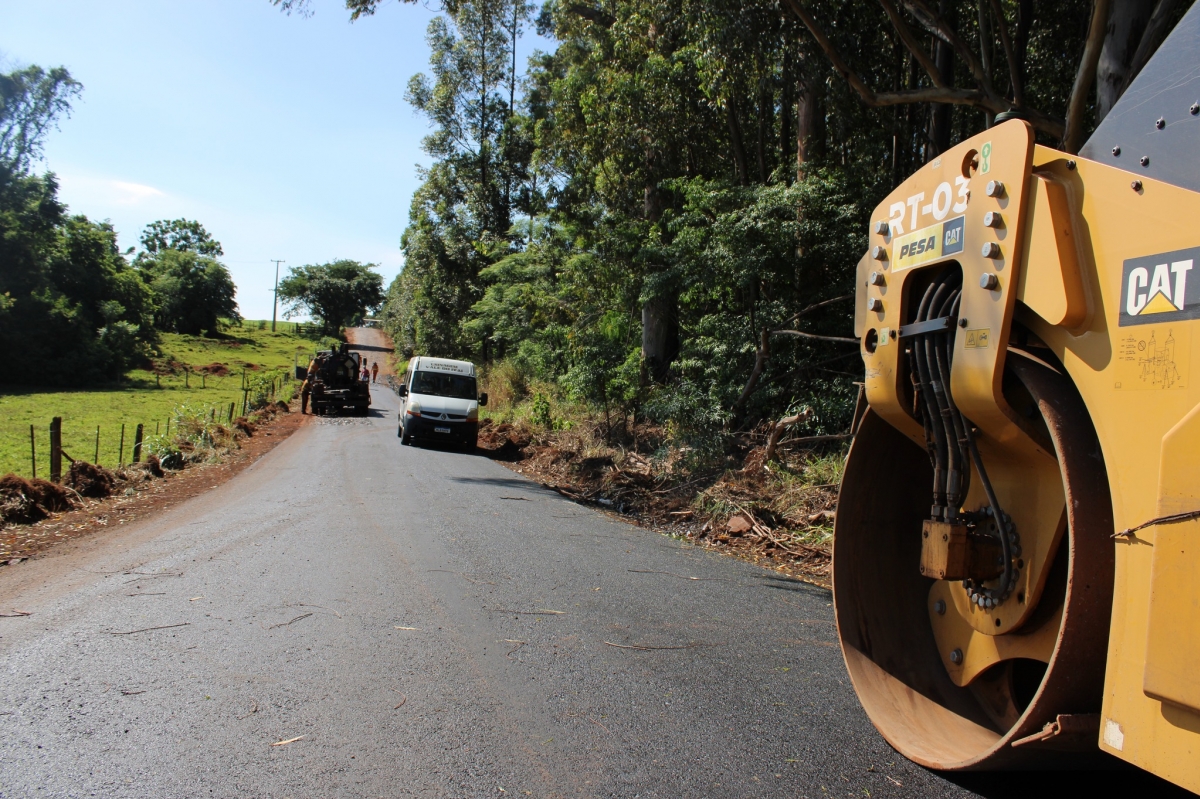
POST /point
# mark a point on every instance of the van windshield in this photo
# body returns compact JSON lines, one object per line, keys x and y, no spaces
{"x":441,"y":384}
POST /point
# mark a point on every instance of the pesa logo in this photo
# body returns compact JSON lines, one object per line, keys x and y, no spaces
{"x":1156,"y":288}
{"x":929,"y":244}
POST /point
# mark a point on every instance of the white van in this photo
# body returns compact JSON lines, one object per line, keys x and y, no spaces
{"x":439,"y":401}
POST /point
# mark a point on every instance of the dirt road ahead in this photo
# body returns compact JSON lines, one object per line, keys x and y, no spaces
{"x":375,"y":345}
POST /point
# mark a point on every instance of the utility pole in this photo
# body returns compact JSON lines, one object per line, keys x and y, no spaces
{"x":275,"y":307}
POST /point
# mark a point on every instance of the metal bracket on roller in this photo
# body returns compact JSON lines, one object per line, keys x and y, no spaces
{"x":952,"y":552}
{"x":928,"y":326}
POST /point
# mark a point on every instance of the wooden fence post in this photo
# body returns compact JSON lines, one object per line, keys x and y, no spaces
{"x":186,"y":374}
{"x":137,"y":444}
{"x":203,"y":380}
{"x":56,"y":449}
{"x":121,"y":449}
{"x":96,"y":457}
{"x":33,"y":451}
{"x":231,"y":413}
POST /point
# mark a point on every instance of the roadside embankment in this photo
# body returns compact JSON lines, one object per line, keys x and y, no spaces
{"x":37,"y":514}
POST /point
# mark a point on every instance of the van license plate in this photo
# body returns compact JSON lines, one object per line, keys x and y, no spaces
{"x":441,"y":429}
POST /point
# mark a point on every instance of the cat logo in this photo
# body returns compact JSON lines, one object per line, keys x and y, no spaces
{"x":1155,"y":288}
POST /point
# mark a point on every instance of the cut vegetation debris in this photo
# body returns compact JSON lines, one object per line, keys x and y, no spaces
{"x":779,"y":513}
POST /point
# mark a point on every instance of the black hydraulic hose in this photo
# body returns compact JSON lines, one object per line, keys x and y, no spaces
{"x":941,"y":408}
{"x":955,"y":461}
{"x":953,"y":442}
{"x":960,"y":471}
{"x":930,"y":404}
{"x":997,"y":514}
{"x":960,"y":433}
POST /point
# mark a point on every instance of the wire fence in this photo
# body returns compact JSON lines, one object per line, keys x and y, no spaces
{"x":113,"y":437}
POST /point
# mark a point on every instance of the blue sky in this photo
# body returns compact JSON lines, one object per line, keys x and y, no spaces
{"x":287,"y":137}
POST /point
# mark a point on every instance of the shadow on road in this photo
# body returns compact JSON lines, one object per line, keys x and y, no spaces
{"x":507,"y":482}
{"x":1119,"y":780}
{"x":779,"y":582}
{"x":370,"y":348}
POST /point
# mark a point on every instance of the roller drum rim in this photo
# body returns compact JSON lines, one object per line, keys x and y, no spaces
{"x":880,"y":599}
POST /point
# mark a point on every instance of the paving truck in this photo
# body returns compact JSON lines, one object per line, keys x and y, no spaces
{"x":333,"y":384}
{"x":1016,"y":563}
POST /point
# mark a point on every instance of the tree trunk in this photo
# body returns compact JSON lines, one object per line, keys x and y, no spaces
{"x":736,"y":142}
{"x":1126,"y":22}
{"x":1025,"y":11}
{"x":766,"y":124}
{"x":660,"y":327}
{"x":659,"y":337}
{"x":760,"y":363}
{"x":806,"y":114}
{"x":939,"y":122}
{"x":786,"y":143}
{"x":985,"y":50}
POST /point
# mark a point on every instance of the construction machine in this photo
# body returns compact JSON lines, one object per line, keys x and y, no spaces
{"x":1016,"y":563}
{"x":333,"y":378}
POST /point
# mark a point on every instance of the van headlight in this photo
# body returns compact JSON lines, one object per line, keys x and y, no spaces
{"x":414,"y":408}
{"x":473,"y":414}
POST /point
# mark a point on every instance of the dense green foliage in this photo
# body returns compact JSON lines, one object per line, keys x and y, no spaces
{"x":193,"y":292}
{"x":679,"y":192}
{"x":182,"y":235}
{"x":337,"y":294}
{"x":31,"y":101}
{"x":73,"y":311}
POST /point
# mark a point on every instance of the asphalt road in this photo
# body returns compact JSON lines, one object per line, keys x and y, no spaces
{"x":421,"y":622}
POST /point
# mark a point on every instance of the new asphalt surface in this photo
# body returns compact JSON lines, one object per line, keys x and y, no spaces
{"x":355,"y":618}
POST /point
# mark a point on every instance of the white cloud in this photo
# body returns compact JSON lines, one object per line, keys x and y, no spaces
{"x":133,"y":193}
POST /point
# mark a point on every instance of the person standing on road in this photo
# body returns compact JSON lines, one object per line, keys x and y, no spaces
{"x":374,"y":371}
{"x":306,"y":387}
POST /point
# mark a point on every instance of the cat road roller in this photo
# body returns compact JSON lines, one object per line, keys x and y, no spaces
{"x":1016,"y":563}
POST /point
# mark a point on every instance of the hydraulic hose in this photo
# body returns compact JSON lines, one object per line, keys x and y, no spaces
{"x":949,"y":435}
{"x":930,"y":403}
{"x":960,"y":470}
{"x":933,"y":345}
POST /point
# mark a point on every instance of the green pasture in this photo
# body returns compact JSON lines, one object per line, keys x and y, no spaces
{"x":145,"y":398}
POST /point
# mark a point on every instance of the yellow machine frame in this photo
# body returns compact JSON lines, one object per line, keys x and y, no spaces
{"x":1053,"y":242}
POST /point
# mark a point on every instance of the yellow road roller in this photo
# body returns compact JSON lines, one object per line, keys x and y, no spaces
{"x":1016,"y":563}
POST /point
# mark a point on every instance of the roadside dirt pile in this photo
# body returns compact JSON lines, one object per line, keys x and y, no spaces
{"x":92,"y":481}
{"x":25,"y":501}
{"x":35,"y":514}
{"x":780,"y":511}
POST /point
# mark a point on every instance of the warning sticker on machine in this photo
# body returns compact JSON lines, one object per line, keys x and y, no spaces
{"x":979,"y":339}
{"x":928,"y":244}
{"x":1153,"y":357}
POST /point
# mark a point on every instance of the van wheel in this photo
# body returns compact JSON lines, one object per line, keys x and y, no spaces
{"x":405,"y":438}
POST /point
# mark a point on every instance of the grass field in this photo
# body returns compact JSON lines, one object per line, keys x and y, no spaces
{"x":149,"y":397}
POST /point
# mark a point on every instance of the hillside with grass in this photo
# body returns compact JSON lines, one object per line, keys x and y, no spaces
{"x":201,"y":374}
